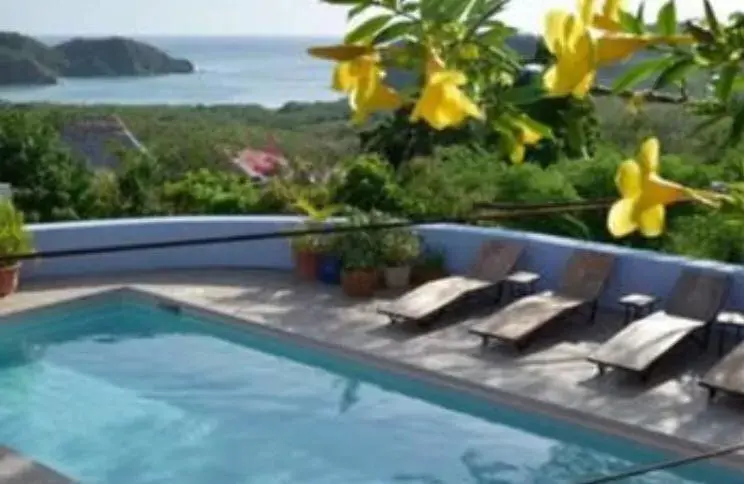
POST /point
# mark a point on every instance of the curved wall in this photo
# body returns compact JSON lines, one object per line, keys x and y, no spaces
{"x":635,"y":271}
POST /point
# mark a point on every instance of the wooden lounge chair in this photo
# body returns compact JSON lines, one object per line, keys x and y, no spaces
{"x":581,"y":284}
{"x":496,"y":259}
{"x":726,"y":376}
{"x":695,"y":300}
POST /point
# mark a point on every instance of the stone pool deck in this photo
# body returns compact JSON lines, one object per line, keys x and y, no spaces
{"x":553,"y":370}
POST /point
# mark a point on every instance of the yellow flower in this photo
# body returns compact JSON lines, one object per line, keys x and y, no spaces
{"x":570,"y":41}
{"x":609,"y":18}
{"x":525,"y":136}
{"x":578,"y":54}
{"x":645,"y":194}
{"x":442,"y":104}
{"x":616,"y":48}
{"x":360,"y":75}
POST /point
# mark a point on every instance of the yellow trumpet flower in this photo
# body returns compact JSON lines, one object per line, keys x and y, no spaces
{"x":360,"y":75}
{"x":645,"y":194}
{"x":609,"y":19}
{"x":578,"y":54}
{"x":442,"y":103}
{"x":569,"y":40}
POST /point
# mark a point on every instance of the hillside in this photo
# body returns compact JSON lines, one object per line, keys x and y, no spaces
{"x":27,"y":61}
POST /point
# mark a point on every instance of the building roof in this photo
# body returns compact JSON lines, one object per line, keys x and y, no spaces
{"x":96,"y":139}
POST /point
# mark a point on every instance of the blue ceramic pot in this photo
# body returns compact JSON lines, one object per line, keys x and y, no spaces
{"x":329,"y":269}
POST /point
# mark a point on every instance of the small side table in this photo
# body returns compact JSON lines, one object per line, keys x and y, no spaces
{"x":637,"y":306}
{"x":729,"y":318}
{"x":522,"y":283}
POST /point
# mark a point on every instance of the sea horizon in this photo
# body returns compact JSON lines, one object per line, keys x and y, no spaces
{"x":269,"y":71}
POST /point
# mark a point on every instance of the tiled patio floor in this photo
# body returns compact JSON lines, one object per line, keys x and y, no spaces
{"x":553,"y":370}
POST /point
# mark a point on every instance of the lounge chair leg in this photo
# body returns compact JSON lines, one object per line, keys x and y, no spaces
{"x":593,"y":312}
{"x":601,"y":369}
{"x":711,"y":394}
{"x":484,"y":341}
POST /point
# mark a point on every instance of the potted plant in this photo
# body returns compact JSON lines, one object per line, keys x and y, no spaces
{"x":430,"y":266}
{"x":401,"y":247}
{"x":306,"y":254}
{"x":14,"y":240}
{"x":329,"y":261}
{"x":360,"y":273}
{"x":360,"y":258}
{"x":307,"y":249}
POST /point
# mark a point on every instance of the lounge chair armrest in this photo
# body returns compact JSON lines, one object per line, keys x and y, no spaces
{"x":637,"y":305}
{"x":522,"y":283}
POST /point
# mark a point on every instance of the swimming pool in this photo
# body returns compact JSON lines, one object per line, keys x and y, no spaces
{"x":122,"y":391}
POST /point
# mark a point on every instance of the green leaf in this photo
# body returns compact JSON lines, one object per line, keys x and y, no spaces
{"x":482,"y":11}
{"x":453,"y":10}
{"x":711,"y":19}
{"x":675,"y":72}
{"x":725,"y":82}
{"x":737,"y":126}
{"x":640,"y":72}
{"x":367,"y":29}
{"x":701,"y":35}
{"x":631,"y":23}
{"x":394,"y":31}
{"x":524,"y":95}
{"x":428,"y":9}
{"x":357,"y":9}
{"x":666,"y":20}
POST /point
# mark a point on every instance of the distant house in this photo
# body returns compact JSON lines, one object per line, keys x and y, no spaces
{"x":96,"y":140}
{"x":260,"y":165}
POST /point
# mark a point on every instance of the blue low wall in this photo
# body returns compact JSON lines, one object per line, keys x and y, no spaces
{"x":635,"y":271}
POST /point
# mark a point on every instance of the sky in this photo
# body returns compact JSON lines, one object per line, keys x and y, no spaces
{"x":240,"y":17}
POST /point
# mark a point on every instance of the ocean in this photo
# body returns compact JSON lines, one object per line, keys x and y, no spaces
{"x":230,"y":70}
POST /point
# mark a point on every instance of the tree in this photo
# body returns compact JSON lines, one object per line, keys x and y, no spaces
{"x":49,"y":183}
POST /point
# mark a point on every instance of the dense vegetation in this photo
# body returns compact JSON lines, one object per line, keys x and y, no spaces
{"x":186,"y":170}
{"x":25,"y":60}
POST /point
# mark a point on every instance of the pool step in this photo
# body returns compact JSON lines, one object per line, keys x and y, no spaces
{"x":17,"y":469}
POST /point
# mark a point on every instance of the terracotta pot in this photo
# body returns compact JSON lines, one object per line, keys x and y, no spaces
{"x":398,"y":277}
{"x":9,"y":279}
{"x":306,"y":264}
{"x":360,"y":282}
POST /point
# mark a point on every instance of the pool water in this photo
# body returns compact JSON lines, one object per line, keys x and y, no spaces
{"x":125,"y":392}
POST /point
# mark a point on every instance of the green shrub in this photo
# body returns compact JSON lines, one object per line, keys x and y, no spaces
{"x":369,"y":183}
{"x":212,"y":192}
{"x":711,"y":235}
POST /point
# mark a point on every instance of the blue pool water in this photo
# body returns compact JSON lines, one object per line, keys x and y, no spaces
{"x":113,"y":392}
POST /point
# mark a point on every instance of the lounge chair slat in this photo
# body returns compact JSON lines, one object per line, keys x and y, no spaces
{"x":419,"y":303}
{"x":582,"y":282}
{"x":523,"y":317}
{"x":637,"y":346}
{"x":495,"y":260}
{"x":696,"y":298}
